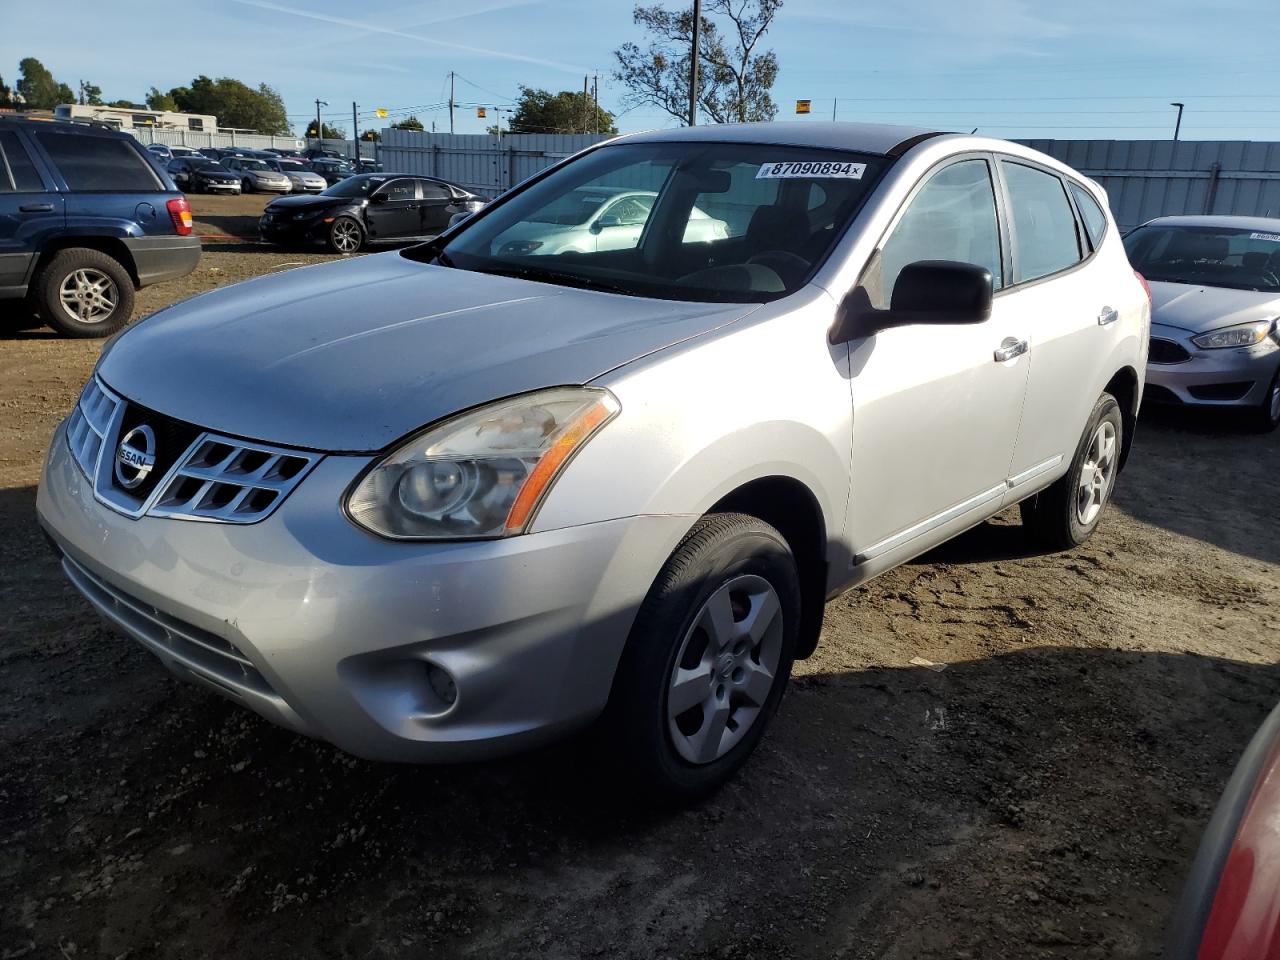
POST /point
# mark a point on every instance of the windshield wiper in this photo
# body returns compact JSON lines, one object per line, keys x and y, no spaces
{"x":563,"y":279}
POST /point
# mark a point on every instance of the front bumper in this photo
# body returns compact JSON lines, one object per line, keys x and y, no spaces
{"x":164,"y":257}
{"x":292,"y":231}
{"x":1232,"y":377}
{"x":330,"y":631}
{"x":220,"y":186}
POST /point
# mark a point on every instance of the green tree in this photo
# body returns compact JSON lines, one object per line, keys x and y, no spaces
{"x":126,"y":104}
{"x":161,"y":101}
{"x":569,"y":111}
{"x":330,"y":133}
{"x":90,"y":93}
{"x":234,"y":103}
{"x":734,"y":79}
{"x":38,"y":88}
{"x":6,"y":94}
{"x":408,"y":123}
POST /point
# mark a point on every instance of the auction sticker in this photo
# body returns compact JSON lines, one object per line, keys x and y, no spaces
{"x":1273,"y":237}
{"x":827,"y":169}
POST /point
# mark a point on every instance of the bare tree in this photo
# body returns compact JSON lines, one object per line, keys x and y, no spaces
{"x":733,"y":79}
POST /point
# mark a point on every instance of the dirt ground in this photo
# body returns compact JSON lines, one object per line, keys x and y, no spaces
{"x":1040,"y":797}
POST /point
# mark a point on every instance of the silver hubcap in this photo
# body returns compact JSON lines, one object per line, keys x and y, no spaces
{"x":346,"y":236}
{"x":1096,"y":474}
{"x":88,"y":295}
{"x":725,"y":669}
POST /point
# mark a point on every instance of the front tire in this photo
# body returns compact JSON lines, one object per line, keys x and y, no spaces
{"x":345,"y":235}
{"x":1066,"y":514}
{"x":84,"y":293}
{"x":1266,"y":416}
{"x":707,"y":659}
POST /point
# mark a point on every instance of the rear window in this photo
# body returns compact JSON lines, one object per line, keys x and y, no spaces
{"x":1045,"y":239}
{"x":17,"y":173}
{"x":97,"y":163}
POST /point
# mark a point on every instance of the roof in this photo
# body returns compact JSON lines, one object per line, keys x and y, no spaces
{"x":1269,"y":224}
{"x":879,"y":138}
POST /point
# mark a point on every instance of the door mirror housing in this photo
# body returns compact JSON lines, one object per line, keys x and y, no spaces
{"x":935,"y":292}
{"x":607,"y":220}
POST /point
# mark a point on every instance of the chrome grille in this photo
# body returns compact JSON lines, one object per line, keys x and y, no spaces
{"x":229,"y":480}
{"x":88,"y":425}
{"x":199,"y":475}
{"x":204,"y":654}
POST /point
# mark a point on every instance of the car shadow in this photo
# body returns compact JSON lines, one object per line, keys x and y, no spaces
{"x":887,"y":801}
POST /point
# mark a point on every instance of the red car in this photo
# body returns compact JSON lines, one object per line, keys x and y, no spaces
{"x":1230,"y":907}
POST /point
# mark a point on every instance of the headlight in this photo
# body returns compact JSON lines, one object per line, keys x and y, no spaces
{"x":520,"y":246}
{"x":1241,"y":335}
{"x":481,"y":474}
{"x":304,"y":214}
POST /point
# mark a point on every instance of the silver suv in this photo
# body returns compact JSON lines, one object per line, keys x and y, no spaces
{"x":447,"y":502}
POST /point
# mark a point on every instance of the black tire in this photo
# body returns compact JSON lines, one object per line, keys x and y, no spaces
{"x":1265,"y":417}
{"x":1052,"y":517}
{"x":332,"y":238}
{"x":720,"y":550}
{"x":60,"y":270}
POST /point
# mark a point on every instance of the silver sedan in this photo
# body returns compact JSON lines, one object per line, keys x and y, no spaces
{"x":256,"y":176}
{"x":1215,"y":293}
{"x":301,"y":179}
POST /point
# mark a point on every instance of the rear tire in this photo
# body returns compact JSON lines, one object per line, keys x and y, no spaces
{"x":1266,"y":416}
{"x":1065,"y":514}
{"x":84,"y":293}
{"x":707,"y":659}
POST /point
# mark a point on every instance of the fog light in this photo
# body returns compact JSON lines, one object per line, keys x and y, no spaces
{"x":442,"y":684}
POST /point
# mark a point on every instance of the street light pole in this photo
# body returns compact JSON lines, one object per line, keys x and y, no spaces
{"x":693,"y":64}
{"x":1177,"y":127}
{"x":319,"y":129}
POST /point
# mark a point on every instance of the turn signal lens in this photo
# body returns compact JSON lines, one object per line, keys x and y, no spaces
{"x":180,"y":213}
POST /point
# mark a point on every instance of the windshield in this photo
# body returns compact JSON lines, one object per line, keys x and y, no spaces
{"x":354,"y":186}
{"x":718,"y":222}
{"x":205,"y":165}
{"x":1235,"y":257}
{"x":249,"y":164}
{"x":292,"y":165}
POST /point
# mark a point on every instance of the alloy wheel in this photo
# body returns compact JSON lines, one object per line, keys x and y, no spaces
{"x":725,"y":669}
{"x":346,"y":236}
{"x":88,"y":295}
{"x":1096,"y":473}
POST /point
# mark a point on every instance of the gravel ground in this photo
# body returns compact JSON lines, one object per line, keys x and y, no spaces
{"x":1038,"y":792}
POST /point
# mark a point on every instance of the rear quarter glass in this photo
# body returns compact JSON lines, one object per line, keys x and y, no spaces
{"x":98,"y":164}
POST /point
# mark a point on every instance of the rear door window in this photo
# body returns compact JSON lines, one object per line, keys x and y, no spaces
{"x":1095,"y":221}
{"x":97,"y":163}
{"x":1045,"y":237}
{"x":17,"y":172}
{"x":434,"y":191}
{"x":400,"y":190}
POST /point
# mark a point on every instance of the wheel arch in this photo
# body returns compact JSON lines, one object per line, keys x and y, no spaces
{"x":1123,"y":385}
{"x":789,"y":506}
{"x":113,"y":247}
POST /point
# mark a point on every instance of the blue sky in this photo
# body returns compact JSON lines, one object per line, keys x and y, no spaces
{"x":1012,"y":68}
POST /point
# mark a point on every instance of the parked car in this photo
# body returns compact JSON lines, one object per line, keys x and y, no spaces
{"x":333,"y":171}
{"x":607,"y":218}
{"x":1228,"y":909}
{"x":367,"y":166}
{"x":367,"y":208}
{"x":1215,"y":337}
{"x":86,"y":218}
{"x":255,"y":176}
{"x":319,"y":153}
{"x":457,"y":501}
{"x":219,"y":153}
{"x":165,"y":152}
{"x":302,"y":179}
{"x":199,"y":174}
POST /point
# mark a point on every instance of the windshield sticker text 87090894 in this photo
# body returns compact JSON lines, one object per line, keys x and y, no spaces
{"x":839,"y":169}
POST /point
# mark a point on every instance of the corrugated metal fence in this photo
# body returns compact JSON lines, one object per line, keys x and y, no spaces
{"x":1143,"y":178}
{"x":1153,"y":178}
{"x":477,"y":161}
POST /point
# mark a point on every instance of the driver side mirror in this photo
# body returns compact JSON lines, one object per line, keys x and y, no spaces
{"x":608,"y":220}
{"x":378,"y":198}
{"x":935,"y":292}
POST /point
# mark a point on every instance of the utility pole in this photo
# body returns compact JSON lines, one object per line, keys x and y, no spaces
{"x":595,"y":102}
{"x":833,"y":110}
{"x":1177,"y":127}
{"x":319,"y":129}
{"x":451,"y":101}
{"x":693,"y":64}
{"x":585,"y":101}
{"x":355,"y":137}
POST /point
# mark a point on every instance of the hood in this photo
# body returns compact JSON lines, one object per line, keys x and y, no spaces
{"x":547,"y":232}
{"x":216,"y":174}
{"x":296,"y":204}
{"x":352,"y":355}
{"x":1197,"y":308}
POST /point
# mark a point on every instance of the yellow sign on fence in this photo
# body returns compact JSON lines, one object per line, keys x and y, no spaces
{"x":802,"y":106}
{"x":480,"y":112}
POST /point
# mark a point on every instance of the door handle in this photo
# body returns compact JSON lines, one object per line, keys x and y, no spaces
{"x":36,"y":208}
{"x":1108,"y":315}
{"x":1010,"y":348}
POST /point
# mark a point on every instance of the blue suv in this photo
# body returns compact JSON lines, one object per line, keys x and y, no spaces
{"x":85,"y":220}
